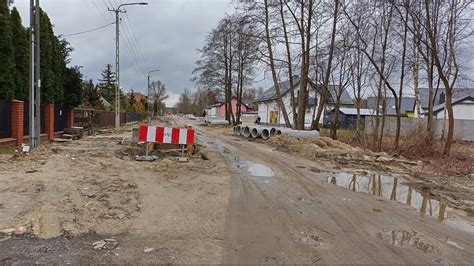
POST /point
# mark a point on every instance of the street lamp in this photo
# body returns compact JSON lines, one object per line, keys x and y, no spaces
{"x":117,"y":11}
{"x":149,"y":87}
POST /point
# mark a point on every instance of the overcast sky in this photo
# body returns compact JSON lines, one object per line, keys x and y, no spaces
{"x":163,"y":35}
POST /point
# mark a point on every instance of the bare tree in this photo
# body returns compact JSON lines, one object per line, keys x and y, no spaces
{"x":158,"y":95}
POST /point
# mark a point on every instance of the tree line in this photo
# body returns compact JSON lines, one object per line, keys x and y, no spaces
{"x":366,"y":47}
{"x":101,"y":95}
{"x":60,"y":84}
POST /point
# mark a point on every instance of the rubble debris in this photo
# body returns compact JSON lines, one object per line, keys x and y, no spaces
{"x":204,"y":156}
{"x":108,"y":244}
{"x":148,"y":250}
{"x":13,"y":231}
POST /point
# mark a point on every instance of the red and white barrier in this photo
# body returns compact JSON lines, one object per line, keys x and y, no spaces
{"x":165,"y":135}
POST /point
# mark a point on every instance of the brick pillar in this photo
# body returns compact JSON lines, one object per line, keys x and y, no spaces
{"x":17,"y":108}
{"x":49,"y":120}
{"x":70,"y":117}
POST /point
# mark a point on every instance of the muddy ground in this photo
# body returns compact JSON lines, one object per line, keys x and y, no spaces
{"x":237,"y":201}
{"x":68,"y":196}
{"x":335,"y":156}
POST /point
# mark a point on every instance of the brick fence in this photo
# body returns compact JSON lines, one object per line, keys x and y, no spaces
{"x":18,"y":123}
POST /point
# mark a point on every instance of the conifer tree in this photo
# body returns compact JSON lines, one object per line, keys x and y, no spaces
{"x":7,"y":66}
{"x":21,"y":55}
{"x":107,"y":84}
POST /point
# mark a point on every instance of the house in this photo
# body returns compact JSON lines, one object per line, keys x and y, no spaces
{"x":440,"y":98}
{"x":105,"y":103}
{"x":463,"y":108}
{"x":269,"y":110}
{"x":407,"y":107}
{"x":171,"y":110}
{"x":217,"y":109}
{"x":347,"y":117}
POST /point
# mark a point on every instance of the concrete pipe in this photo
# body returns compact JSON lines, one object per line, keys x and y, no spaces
{"x":247,"y":131}
{"x":219,"y":122}
{"x":256,"y":132}
{"x":237,"y":130}
{"x":265,"y":134}
{"x":301,"y":133}
{"x":272,"y":131}
{"x":278,"y":132}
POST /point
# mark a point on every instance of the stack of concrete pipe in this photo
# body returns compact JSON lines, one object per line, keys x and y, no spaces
{"x":256,"y":131}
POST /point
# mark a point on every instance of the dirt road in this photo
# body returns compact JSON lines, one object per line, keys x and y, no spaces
{"x":282,"y":212}
{"x":248,"y":204}
{"x":69,"y":196}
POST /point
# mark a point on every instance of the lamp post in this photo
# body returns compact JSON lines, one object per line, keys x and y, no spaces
{"x":149,"y":87}
{"x":117,"y":11}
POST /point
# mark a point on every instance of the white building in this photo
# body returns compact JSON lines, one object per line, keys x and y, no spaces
{"x":463,"y":109}
{"x":269,"y":110}
{"x":440,"y":98}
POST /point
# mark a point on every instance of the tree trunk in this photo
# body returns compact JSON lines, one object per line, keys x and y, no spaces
{"x":272,"y":67}
{"x":322,"y":101}
{"x":290,"y":66}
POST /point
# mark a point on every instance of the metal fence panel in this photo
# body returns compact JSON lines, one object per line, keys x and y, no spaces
{"x":60,"y":118}
{"x":5,"y":119}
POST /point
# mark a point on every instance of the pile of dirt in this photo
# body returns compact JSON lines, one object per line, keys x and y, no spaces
{"x":323,"y":147}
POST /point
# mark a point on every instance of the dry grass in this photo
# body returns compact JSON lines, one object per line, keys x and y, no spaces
{"x":459,"y":163}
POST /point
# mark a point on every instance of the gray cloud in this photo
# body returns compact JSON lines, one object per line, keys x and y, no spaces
{"x":168,"y":32}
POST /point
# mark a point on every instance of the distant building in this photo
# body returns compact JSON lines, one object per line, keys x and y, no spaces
{"x":217,"y":109}
{"x":407,"y":108}
{"x":105,"y":103}
{"x":171,"y":110}
{"x":440,"y":98}
{"x":347,"y":117}
{"x":269,"y":109}
{"x":463,"y":108}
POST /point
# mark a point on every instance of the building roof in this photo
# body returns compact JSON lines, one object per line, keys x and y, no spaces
{"x":221,"y":100}
{"x":248,"y":103}
{"x":353,"y":111}
{"x":408,"y":105}
{"x":104,"y":102}
{"x":271,"y":95}
{"x":440,"y":107}
{"x":458,"y":93}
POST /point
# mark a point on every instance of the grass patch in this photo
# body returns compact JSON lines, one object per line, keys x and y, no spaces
{"x":7,"y":150}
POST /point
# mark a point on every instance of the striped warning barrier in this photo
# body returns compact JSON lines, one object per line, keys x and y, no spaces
{"x":165,"y":135}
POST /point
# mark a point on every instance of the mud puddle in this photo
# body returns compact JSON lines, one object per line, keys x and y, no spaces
{"x":408,"y":239}
{"x":394,"y":189}
{"x":259,"y":170}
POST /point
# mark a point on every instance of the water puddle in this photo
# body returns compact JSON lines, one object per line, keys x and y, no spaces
{"x":259,"y":170}
{"x":407,"y":239}
{"x":392,"y":188}
{"x":454,"y":244}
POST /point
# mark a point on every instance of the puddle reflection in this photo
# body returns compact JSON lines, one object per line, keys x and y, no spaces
{"x":392,"y":189}
{"x":407,"y":239}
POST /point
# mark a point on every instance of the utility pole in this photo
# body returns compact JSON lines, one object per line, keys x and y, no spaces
{"x":31,"y":79}
{"x":117,"y":59}
{"x":34,"y":94}
{"x":37,"y":76}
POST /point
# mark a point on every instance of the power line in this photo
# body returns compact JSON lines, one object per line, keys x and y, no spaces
{"x":87,"y":31}
{"x":100,"y":11}
{"x":134,"y":38}
{"x":128,"y":31}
